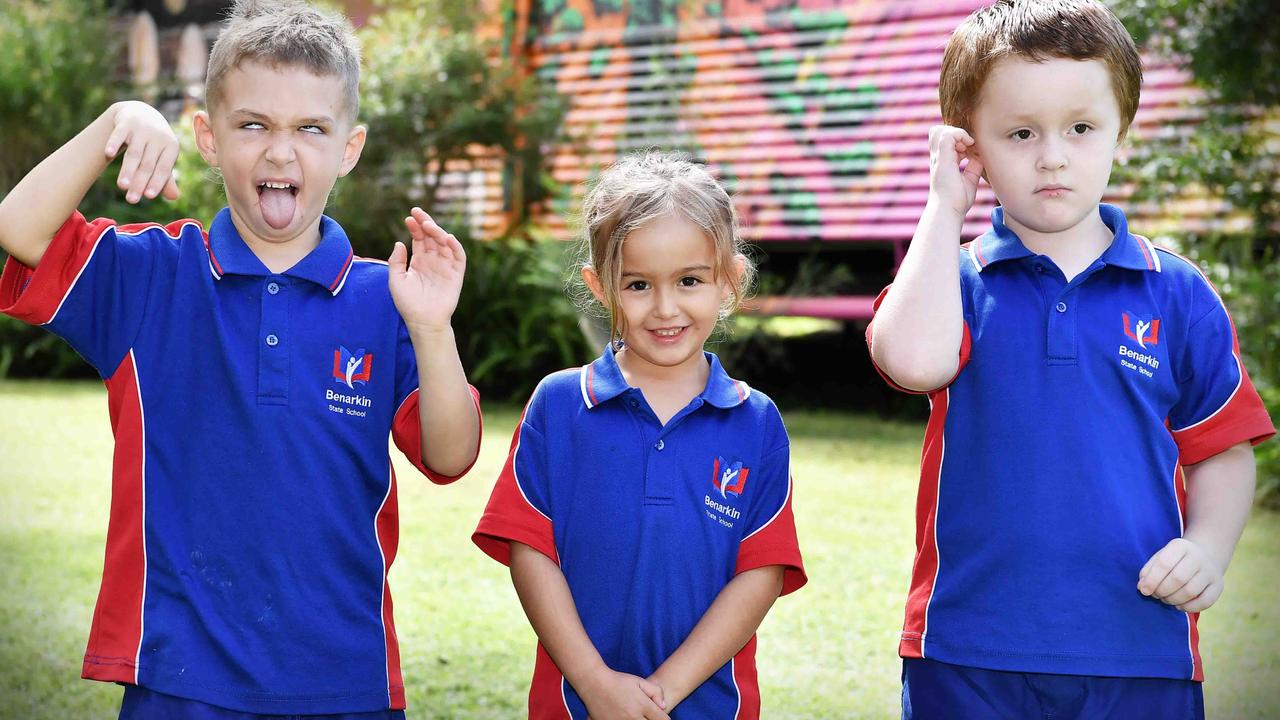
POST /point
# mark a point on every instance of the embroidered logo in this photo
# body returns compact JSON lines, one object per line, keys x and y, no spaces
{"x":350,"y":368}
{"x":729,"y":479}
{"x":1142,"y":329}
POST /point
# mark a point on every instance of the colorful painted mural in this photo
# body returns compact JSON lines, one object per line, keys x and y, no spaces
{"x":814,"y":113}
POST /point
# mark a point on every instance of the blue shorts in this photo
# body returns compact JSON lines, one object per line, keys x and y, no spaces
{"x":932,"y":690}
{"x":143,"y":704}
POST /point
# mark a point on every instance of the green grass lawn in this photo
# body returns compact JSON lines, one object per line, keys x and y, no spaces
{"x":828,"y":652}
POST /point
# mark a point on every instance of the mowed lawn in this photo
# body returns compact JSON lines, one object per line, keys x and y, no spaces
{"x":829,"y":651}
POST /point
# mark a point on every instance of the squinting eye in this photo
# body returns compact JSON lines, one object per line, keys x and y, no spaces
{"x":314,"y":129}
{"x":1022,"y":134}
{"x":251,"y":126}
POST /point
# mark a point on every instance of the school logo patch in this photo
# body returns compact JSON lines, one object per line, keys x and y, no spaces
{"x":350,"y":368}
{"x":1143,"y":329}
{"x":729,"y":479}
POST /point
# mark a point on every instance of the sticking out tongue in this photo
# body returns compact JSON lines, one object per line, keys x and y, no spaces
{"x":277,"y":206}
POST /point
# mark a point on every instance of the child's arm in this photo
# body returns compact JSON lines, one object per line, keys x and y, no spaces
{"x":425,"y":290}
{"x":41,"y":202}
{"x":919,"y":326}
{"x":547,"y":602}
{"x":1187,"y":572}
{"x":726,"y":627}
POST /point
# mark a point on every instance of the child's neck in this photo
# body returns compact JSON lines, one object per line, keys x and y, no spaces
{"x":280,"y":256}
{"x":1073,"y":250}
{"x":667,"y":389}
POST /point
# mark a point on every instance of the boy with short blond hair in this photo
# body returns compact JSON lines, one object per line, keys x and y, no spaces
{"x":254,"y":374}
{"x":1087,"y":468}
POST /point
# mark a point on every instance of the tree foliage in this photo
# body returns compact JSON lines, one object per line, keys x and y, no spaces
{"x":1232,"y":50}
{"x":439,"y":98}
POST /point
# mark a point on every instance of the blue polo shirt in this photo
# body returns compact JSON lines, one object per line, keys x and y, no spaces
{"x":647,"y":522}
{"x":253,"y":509}
{"x":1052,"y":464}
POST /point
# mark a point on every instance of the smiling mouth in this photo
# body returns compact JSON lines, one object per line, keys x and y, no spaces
{"x":668,"y":332}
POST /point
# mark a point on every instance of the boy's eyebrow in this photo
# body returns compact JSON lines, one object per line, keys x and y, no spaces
{"x":254,"y":115}
{"x":1025,"y":119}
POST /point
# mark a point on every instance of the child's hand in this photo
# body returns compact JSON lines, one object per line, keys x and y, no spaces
{"x":954,"y":186}
{"x":618,"y":696}
{"x":1183,"y":575}
{"x":147,"y":169}
{"x":426,"y":287}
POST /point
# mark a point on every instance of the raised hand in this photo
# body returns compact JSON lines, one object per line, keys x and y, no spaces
{"x":1183,"y":575}
{"x":955,"y":186}
{"x":425,"y":287}
{"x":152,"y":150}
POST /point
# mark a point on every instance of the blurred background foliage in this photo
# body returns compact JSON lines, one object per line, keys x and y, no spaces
{"x":1232,"y":155}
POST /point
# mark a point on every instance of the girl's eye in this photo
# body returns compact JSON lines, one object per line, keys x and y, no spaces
{"x":638,"y":285}
{"x":690,"y":281}
{"x":1081,"y":128}
{"x":1023,"y":134}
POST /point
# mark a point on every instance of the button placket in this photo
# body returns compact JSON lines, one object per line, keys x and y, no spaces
{"x":1062,"y":330}
{"x":273,"y":354}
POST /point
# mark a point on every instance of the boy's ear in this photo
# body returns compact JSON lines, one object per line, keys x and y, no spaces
{"x":592,"y":279}
{"x":355,"y":146}
{"x":205,"y":142}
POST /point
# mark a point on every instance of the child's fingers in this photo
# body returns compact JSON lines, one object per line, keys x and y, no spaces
{"x":399,"y":259}
{"x":429,"y":225}
{"x":421,"y":217}
{"x":1196,"y":584}
{"x":1176,"y":579}
{"x":118,"y":138}
{"x":653,"y":712}
{"x":1204,"y":599}
{"x":455,"y":248}
{"x":654,"y":691}
{"x":973,"y":169}
{"x":446,"y":245}
{"x":415,"y":228}
{"x":129,"y":166}
{"x":142,"y":176}
{"x":1158,"y":567}
{"x":170,"y":190}
{"x":445,"y":242}
{"x":162,"y":173}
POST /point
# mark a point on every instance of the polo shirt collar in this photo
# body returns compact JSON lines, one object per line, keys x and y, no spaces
{"x":602,"y":381}
{"x":1126,"y":250}
{"x":327,"y":265}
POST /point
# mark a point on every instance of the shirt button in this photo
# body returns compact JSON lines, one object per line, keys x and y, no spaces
{"x":1040,"y":269}
{"x":660,"y":445}
{"x":1060,"y":307}
{"x":273,"y":288}
{"x":635,"y":403}
{"x":272,"y":340}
